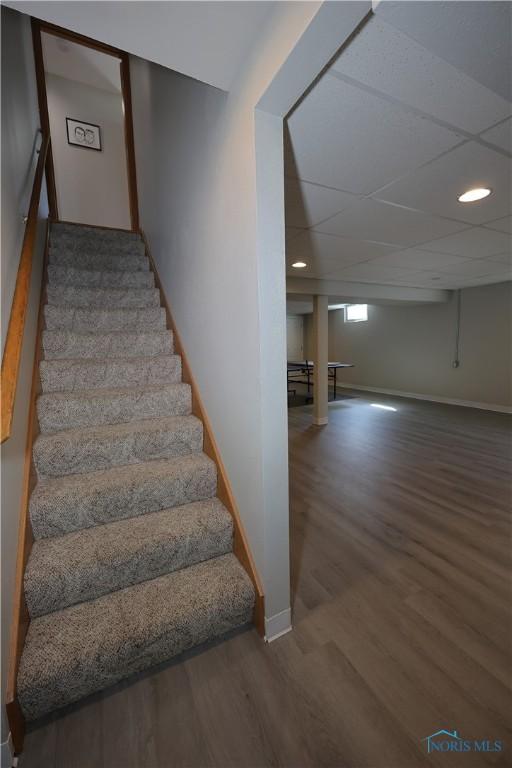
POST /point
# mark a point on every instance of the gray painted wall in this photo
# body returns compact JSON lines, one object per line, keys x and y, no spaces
{"x":211,"y":190}
{"x":195,"y":156}
{"x":20,"y":121}
{"x":20,"y":118}
{"x":92,"y":187}
{"x":411,"y":348}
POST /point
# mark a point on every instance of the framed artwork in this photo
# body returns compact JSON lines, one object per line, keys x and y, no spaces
{"x":82,"y":134}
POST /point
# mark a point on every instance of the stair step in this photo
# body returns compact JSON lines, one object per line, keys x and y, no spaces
{"x":71,"y":375}
{"x":98,"y":261}
{"x":92,"y":448}
{"x":75,"y":652}
{"x":101,"y":320}
{"x":62,"y":344}
{"x":87,"y":244}
{"x":89,"y":278}
{"x":85,"y":565}
{"x":69,"y":296}
{"x":64,"y":504}
{"x":60,"y":228}
{"x":58,"y":411}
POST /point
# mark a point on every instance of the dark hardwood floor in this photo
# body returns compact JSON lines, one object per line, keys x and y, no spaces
{"x":401,"y":554}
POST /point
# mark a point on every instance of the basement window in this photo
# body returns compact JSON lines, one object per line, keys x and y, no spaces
{"x":356,"y":313}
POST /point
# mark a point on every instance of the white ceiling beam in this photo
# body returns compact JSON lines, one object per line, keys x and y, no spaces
{"x":349,"y":291}
{"x":332,"y":26}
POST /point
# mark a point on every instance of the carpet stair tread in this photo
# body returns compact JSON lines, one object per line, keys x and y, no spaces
{"x":58,"y":411}
{"x":60,"y":228}
{"x":64,"y":504}
{"x":70,"y":374}
{"x":71,"y":296}
{"x":99,"y":320}
{"x":72,"y":653}
{"x":65,"y":344}
{"x":94,"y":260}
{"x":95,"y":278}
{"x":87,"y":564}
{"x":88,"y":449}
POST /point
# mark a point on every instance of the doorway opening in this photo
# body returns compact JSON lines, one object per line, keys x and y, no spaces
{"x":85,"y":107}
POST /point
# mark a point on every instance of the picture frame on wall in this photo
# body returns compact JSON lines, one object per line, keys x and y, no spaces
{"x":81,"y":134}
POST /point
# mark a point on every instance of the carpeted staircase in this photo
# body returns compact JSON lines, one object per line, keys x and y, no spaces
{"x":133,"y":555}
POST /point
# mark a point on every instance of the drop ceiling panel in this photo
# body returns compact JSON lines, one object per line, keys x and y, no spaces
{"x":325,"y":252}
{"x":308,"y":204}
{"x":346,"y":138}
{"x":501,"y":135}
{"x":473,"y":36}
{"x":372,"y":220}
{"x":436,"y":187}
{"x":502,"y":258}
{"x":502,"y":225}
{"x":476,"y":268}
{"x":394,"y":64}
{"x":370,"y":273}
{"x":473,"y":243}
{"x":371,"y":126}
{"x":415,"y":258}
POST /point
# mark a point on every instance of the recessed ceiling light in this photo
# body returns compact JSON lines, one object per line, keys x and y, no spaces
{"x":474,"y":194}
{"x":299,"y":264}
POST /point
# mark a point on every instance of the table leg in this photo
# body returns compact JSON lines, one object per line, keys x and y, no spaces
{"x":335,"y":372}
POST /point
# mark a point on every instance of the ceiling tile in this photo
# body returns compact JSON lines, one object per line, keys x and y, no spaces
{"x":433,"y":279}
{"x":492,"y":279}
{"x":373,"y":220}
{"x":307,"y":204}
{"x":343,"y":137}
{"x":415,"y":258}
{"x":502,"y":258}
{"x":502,"y":225}
{"x":475,"y":268}
{"x":436,"y":187}
{"x":327,"y":249}
{"x":389,"y":61}
{"x":473,"y":36}
{"x":370,"y":273}
{"x":473,"y":243}
{"x":501,"y":135}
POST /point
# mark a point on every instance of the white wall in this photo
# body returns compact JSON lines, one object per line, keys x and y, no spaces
{"x":211,"y":190}
{"x":92,"y":187}
{"x":202,"y":39}
{"x":411,"y":348}
{"x":19,"y":122}
{"x":197,"y":167}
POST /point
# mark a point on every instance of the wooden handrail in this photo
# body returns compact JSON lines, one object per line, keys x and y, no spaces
{"x":14,"y":339}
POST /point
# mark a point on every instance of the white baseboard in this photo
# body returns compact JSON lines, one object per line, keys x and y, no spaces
{"x":278,"y":625}
{"x":7,"y":753}
{"x":430,"y":398}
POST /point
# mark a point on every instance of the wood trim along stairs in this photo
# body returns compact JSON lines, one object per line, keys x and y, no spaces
{"x":210,"y":447}
{"x":21,"y":618}
{"x":14,"y":339}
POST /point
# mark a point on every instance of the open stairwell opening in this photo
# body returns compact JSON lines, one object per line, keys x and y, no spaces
{"x":138,"y":552}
